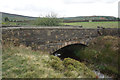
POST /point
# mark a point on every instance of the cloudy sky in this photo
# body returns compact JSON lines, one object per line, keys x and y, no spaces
{"x":63,"y":8}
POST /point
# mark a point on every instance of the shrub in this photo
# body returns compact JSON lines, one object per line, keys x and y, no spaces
{"x":76,"y":69}
{"x":56,"y":63}
{"x":70,"y":67}
{"x":50,"y":20}
{"x":68,"y":62}
{"x":6,"y":19}
{"x":72,"y":74}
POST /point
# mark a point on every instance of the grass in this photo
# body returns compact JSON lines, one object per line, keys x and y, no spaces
{"x":103,"y":52}
{"x":110,"y":24}
{"x":55,"y":22}
{"x":22,"y":62}
{"x":30,"y":23}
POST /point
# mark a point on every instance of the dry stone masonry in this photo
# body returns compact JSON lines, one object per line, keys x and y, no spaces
{"x":52,"y":38}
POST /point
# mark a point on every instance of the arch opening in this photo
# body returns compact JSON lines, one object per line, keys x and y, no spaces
{"x":70,"y":51}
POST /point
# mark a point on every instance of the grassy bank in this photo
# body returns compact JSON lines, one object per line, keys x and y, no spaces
{"x":110,"y":24}
{"x":22,"y":62}
{"x":102,"y":52}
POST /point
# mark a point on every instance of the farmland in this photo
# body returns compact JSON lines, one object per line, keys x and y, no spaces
{"x":110,"y":24}
{"x":20,"y":20}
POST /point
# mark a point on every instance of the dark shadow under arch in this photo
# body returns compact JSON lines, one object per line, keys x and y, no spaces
{"x":69,"y":51}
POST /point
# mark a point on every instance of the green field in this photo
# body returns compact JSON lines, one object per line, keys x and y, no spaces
{"x":111,"y":24}
{"x":30,"y":23}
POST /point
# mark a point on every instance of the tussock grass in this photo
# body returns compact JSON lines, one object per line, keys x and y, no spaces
{"x":103,"y":53}
{"x":22,"y":62}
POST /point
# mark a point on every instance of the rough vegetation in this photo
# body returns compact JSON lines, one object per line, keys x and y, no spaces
{"x":103,"y":53}
{"x":22,"y":62}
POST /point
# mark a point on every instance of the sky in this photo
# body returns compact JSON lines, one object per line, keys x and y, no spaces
{"x":62,"y":8}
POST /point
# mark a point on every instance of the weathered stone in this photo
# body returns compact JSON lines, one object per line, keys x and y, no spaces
{"x":48,"y":38}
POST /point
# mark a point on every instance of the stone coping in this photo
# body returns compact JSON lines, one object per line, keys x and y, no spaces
{"x":51,"y":27}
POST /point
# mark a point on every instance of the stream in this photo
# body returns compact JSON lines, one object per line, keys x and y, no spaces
{"x":100,"y":75}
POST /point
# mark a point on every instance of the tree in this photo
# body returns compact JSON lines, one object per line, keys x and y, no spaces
{"x":49,"y":20}
{"x":6,"y":19}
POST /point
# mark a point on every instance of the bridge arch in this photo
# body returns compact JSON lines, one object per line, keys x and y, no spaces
{"x":61,"y":45}
{"x":69,"y":51}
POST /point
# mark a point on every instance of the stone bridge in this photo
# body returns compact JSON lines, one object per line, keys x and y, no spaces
{"x":53,"y":38}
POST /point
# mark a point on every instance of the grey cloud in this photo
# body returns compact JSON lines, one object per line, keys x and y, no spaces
{"x":119,"y":9}
{"x":88,"y":1}
{"x":26,"y":7}
{"x":31,"y":7}
{"x":78,"y":1}
{"x":110,"y":1}
{"x":41,"y":10}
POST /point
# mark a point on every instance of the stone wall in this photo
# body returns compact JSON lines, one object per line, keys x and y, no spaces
{"x":46,"y":38}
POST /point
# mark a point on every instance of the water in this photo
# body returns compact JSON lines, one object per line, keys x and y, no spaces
{"x":100,"y":75}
